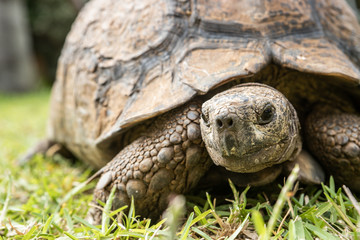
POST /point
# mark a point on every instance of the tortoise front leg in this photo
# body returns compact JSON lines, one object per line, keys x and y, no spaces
{"x":333,"y":137}
{"x":170,"y":158}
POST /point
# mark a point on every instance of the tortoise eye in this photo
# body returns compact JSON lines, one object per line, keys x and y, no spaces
{"x":267,"y":114}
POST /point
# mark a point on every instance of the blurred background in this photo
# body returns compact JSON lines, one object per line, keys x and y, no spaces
{"x":32,"y":33}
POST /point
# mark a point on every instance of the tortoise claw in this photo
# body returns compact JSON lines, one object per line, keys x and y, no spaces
{"x":310,"y":170}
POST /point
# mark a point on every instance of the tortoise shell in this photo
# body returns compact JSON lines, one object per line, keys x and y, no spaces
{"x":127,"y":61}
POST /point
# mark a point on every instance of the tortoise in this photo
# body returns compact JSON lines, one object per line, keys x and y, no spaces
{"x":161,"y":94}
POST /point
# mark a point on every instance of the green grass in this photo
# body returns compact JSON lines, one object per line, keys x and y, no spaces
{"x":47,"y":198}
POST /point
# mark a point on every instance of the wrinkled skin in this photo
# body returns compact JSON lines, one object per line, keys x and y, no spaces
{"x":249,"y":128}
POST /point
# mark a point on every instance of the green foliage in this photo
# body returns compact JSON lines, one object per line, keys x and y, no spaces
{"x":47,"y":199}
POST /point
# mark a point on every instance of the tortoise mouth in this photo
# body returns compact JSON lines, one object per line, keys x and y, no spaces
{"x":253,"y":160}
{"x":246,"y":154}
{"x":234,"y":152}
{"x":232,"y":147}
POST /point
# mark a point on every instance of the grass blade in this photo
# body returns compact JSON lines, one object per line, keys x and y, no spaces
{"x":299,"y":229}
{"x":352,"y":199}
{"x":198,"y":213}
{"x":201,"y":217}
{"x":201,"y":233}
{"x":69,"y":221}
{"x":106,"y":212}
{"x":173,"y":214}
{"x":259,"y":223}
{"x":319,"y":232}
{"x":340,"y":212}
{"x":71,"y":194}
{"x":240,"y":228}
{"x":281,"y":200}
{"x":29,"y":234}
{"x":322,"y":209}
{"x":6,"y":203}
{"x":70,"y":236}
{"x":186,"y":229}
{"x":292,"y":230}
{"x":86,"y":223}
{"x":47,"y":224}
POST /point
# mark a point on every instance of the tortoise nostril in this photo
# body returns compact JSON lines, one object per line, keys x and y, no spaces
{"x":224,"y":122}
{"x":219,"y":123}
{"x":230,"y":122}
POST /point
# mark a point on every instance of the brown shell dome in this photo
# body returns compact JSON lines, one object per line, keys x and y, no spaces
{"x":127,"y":61}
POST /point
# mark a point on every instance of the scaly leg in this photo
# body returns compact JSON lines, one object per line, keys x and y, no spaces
{"x":334,"y":138}
{"x":48,"y":148}
{"x":169,"y":158}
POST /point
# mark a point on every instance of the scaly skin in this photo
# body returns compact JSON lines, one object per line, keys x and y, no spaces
{"x":169,"y":158}
{"x":333,"y":137}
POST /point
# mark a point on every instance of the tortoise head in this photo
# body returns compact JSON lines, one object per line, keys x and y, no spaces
{"x":250,"y":127}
